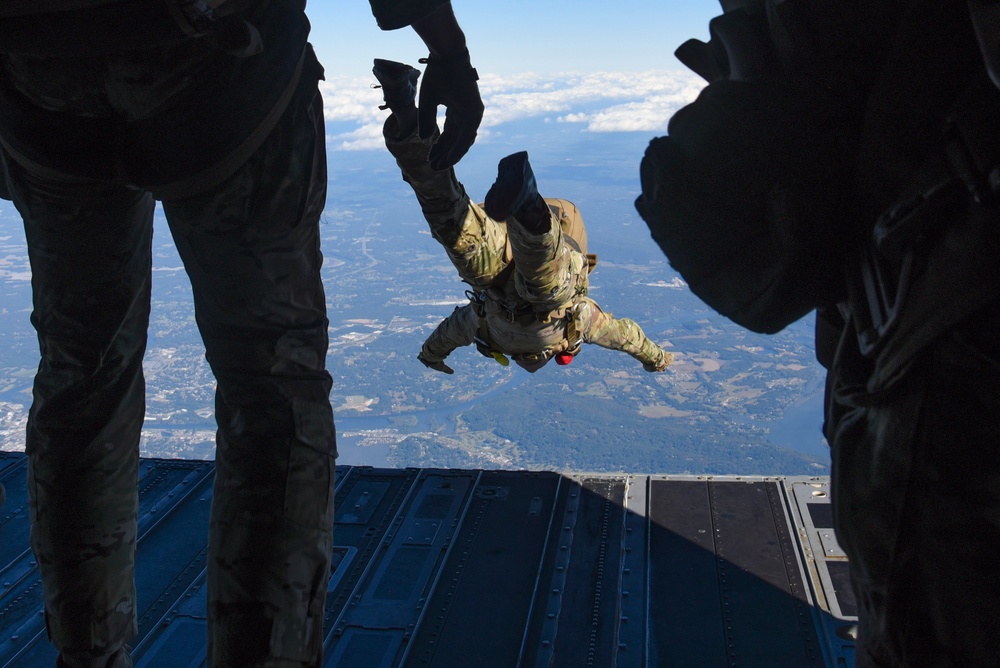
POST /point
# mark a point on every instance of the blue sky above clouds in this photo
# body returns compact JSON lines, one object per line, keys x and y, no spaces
{"x":516,"y":36}
{"x":583,"y":86}
{"x":601,"y":67}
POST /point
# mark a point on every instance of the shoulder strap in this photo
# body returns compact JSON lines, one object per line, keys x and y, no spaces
{"x":76,"y":28}
{"x":9,"y":8}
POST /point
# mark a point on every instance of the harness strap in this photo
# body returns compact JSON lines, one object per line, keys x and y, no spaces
{"x":968,"y":166}
{"x":27,"y":7}
{"x":487,"y":347}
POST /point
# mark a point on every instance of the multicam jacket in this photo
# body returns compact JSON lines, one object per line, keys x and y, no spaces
{"x":529,"y":297}
{"x":532,"y":314}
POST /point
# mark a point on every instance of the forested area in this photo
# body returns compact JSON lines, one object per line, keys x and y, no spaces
{"x":559,"y":431}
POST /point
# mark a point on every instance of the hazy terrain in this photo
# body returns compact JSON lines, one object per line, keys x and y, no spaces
{"x":733,"y":402}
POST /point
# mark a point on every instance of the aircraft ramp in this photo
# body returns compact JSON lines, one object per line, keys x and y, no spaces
{"x":447,"y":567}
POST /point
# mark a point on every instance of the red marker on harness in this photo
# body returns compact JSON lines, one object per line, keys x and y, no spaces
{"x":562,"y":359}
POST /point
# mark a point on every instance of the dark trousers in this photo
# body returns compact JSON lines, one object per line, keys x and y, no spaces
{"x":251,"y":248}
{"x":916,"y":474}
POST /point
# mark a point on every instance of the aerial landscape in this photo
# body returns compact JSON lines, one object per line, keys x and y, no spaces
{"x":501,"y":483}
{"x":732,"y":402}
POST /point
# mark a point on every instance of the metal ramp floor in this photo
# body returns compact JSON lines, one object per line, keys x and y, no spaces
{"x":447,"y":567}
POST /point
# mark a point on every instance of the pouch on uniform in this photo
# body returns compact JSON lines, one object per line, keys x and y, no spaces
{"x":743,"y":197}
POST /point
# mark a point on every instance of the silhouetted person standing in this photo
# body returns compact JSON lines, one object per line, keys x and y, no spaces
{"x":846,"y":157}
{"x":214,"y":110}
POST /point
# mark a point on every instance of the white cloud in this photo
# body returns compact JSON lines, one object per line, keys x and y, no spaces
{"x":350,"y":99}
{"x":649,"y":115}
{"x":675,"y":284}
{"x":365,"y":138}
{"x":599,"y":102}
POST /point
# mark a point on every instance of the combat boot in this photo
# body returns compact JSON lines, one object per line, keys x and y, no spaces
{"x":515,"y":195}
{"x":120,"y":658}
{"x":398,"y":82}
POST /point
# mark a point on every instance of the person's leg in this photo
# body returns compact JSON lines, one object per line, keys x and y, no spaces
{"x":89,"y":247}
{"x":914,"y":479}
{"x":475,"y":243}
{"x":252,"y":250}
{"x":549,"y":274}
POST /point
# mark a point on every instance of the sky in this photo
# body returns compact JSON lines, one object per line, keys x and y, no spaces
{"x":604,"y":66}
{"x":516,"y":36}
{"x":563,"y":79}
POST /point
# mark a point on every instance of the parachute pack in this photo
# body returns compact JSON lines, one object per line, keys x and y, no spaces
{"x":870,"y":182}
{"x":742,"y":196}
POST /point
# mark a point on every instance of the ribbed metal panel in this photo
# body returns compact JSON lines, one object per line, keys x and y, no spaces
{"x":437,"y":567}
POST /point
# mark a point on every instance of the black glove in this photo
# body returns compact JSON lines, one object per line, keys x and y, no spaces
{"x":437,"y":366}
{"x":450,"y":82}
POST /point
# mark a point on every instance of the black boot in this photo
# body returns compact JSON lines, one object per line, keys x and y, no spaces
{"x":118,"y":659}
{"x":398,"y":82}
{"x":515,"y":195}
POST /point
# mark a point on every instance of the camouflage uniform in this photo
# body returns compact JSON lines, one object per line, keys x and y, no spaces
{"x":526,"y":316}
{"x":233,"y":146}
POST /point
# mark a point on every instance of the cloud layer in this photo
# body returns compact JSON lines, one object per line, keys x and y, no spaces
{"x":596,"y":102}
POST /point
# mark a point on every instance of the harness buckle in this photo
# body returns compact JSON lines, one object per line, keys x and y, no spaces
{"x":890,"y":260}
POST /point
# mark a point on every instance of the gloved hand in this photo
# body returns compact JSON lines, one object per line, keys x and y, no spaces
{"x":437,"y":366}
{"x":450,"y":82}
{"x":667,"y":359}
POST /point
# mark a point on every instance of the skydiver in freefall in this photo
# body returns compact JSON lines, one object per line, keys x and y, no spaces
{"x":524,"y":256}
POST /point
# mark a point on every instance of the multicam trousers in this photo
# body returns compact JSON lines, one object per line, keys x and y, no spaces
{"x":916,"y":470}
